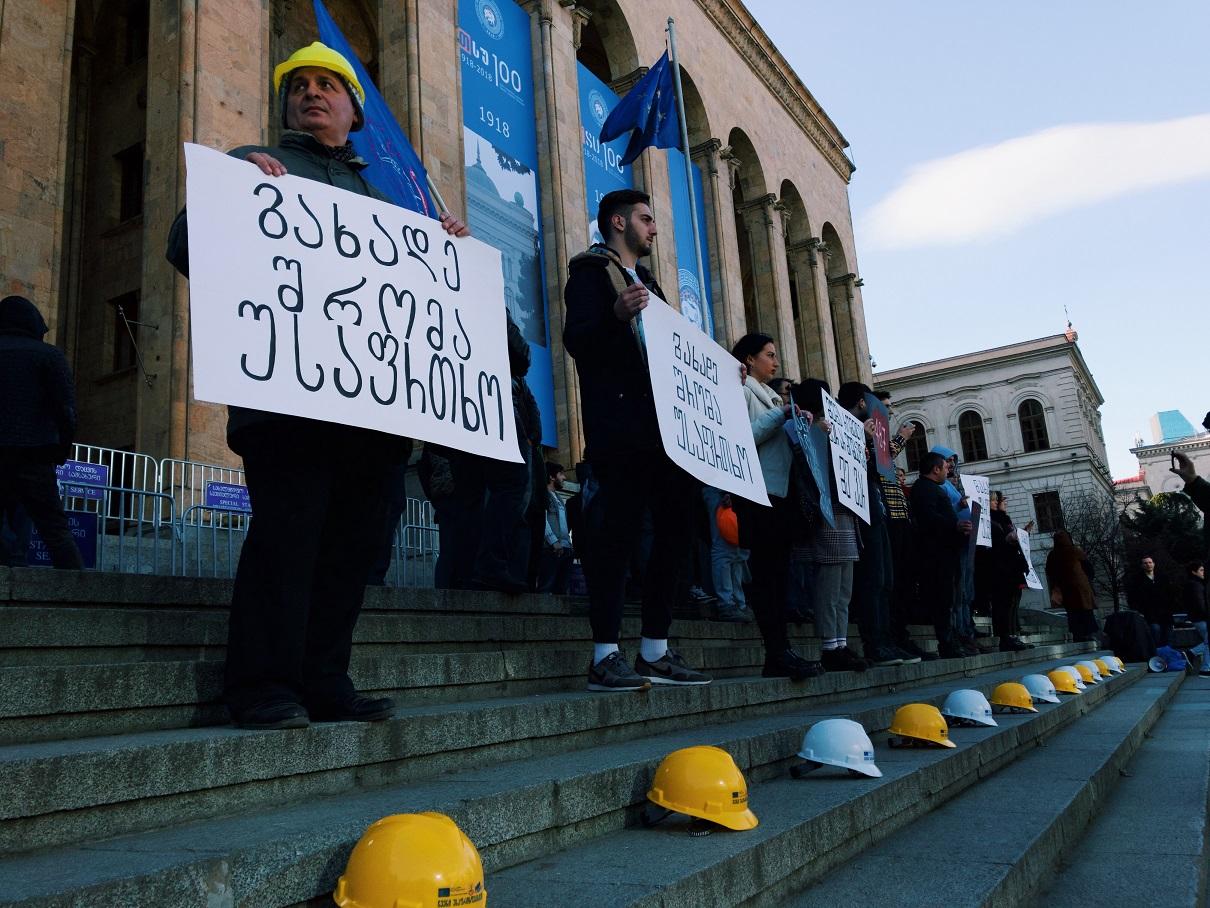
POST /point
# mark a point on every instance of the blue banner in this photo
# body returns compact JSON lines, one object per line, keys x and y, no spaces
{"x":813,"y":442}
{"x":394,"y":167}
{"x":694,"y":291}
{"x":499,"y":125}
{"x":603,"y":168}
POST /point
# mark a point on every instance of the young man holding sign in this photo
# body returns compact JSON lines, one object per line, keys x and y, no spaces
{"x":318,"y":489}
{"x":607,"y":290}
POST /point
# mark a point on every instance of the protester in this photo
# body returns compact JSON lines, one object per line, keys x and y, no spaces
{"x":1196,"y":609}
{"x":728,"y":562}
{"x":606,"y":292}
{"x":1067,"y":576}
{"x":1007,"y":569}
{"x":833,"y":551}
{"x":302,"y":571}
{"x":555,"y":564}
{"x":37,"y":426}
{"x":766,"y":531}
{"x":940,"y":538}
{"x":964,"y":582}
{"x":780,"y":385}
{"x":1148,"y":595}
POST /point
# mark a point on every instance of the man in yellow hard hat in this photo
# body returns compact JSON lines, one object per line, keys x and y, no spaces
{"x":318,"y":489}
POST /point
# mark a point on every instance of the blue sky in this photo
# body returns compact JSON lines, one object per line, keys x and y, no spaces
{"x":1073,"y":140}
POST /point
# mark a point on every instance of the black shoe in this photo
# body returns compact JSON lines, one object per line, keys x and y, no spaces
{"x":908,"y":658}
{"x":271,"y":714}
{"x":968,"y":647}
{"x":799,"y":616}
{"x":354,"y":709}
{"x":700,"y":596}
{"x":842,"y":660}
{"x":669,"y":669}
{"x":883,"y":656}
{"x":788,"y":664}
{"x":950,"y":651}
{"x":614,"y":673}
{"x":912,"y":649}
{"x":1013,"y":645}
{"x":732,"y":614}
{"x":1203,"y":674}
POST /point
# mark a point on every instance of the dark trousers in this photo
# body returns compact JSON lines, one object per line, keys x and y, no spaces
{"x":318,"y":506}
{"x":483,"y":531}
{"x":937,"y":575}
{"x":1083,"y":624}
{"x":873,"y":585}
{"x":903,"y":603}
{"x":554,"y":570}
{"x":612,"y":520}
{"x":397,"y":503}
{"x":32,"y":486}
{"x":1006,"y":597}
{"x":766,"y":534}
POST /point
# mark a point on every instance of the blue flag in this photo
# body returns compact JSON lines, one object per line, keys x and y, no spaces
{"x":650,"y":110}
{"x":394,"y":167}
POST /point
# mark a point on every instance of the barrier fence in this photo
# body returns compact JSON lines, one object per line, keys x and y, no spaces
{"x":131,"y":514}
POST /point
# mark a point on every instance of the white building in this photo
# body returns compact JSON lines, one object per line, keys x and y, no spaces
{"x":1026,"y":415}
{"x":1170,"y":431}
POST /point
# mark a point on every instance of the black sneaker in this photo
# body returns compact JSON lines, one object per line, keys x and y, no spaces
{"x":842,"y":660}
{"x":1203,"y":674}
{"x":909,"y":658}
{"x":1013,"y":645}
{"x":882,"y":656}
{"x":271,"y":714}
{"x":353,"y":709}
{"x":614,"y":673}
{"x":916,"y":652}
{"x":669,"y":669}
{"x":733,"y":614}
{"x":950,"y":651}
{"x":789,"y":664}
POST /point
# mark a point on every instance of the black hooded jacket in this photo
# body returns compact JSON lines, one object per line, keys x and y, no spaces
{"x":37,"y":396}
{"x":615,"y":390}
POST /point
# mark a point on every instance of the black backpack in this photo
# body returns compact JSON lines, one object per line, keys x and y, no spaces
{"x":1129,"y":636}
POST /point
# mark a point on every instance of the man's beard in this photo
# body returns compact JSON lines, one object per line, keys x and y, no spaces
{"x":635,"y":243}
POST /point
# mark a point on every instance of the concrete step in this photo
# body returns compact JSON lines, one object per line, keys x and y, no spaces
{"x":1146,"y":844}
{"x":992,"y":845}
{"x":806,"y":826}
{"x":67,"y":791}
{"x":565,"y":789}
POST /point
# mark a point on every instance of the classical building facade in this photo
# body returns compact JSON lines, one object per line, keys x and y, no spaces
{"x":103,"y":93}
{"x":1155,"y":460}
{"x":1026,"y":415}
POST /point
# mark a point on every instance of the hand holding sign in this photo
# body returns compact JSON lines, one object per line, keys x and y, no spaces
{"x":848,"y":457}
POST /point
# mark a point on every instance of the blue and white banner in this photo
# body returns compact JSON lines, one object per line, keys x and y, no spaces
{"x":503,"y":199}
{"x":603,"y":168}
{"x":693,"y":289}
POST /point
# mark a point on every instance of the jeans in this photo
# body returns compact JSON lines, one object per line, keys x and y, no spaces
{"x":833,"y":590}
{"x":1203,"y":649}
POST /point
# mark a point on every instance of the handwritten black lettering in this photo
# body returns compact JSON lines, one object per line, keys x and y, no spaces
{"x":436,"y":333}
{"x":456,"y":283}
{"x":271,"y":211}
{"x":466,"y":338}
{"x":294,"y":289}
{"x":259,"y":309}
{"x":417,"y":243}
{"x":319,"y":241}
{"x":394,"y":259}
{"x":343,"y":233}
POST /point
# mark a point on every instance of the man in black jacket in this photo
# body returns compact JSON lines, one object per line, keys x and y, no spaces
{"x":607,"y":290}
{"x":37,"y":425}
{"x":940,"y":536}
{"x":318,"y":489}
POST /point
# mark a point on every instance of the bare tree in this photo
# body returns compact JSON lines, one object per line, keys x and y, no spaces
{"x":1093,"y":520}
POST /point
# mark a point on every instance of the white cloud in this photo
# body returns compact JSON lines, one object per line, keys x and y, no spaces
{"x":998,"y":189}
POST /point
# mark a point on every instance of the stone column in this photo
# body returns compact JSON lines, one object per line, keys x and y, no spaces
{"x":861,"y":341}
{"x":840,"y":300}
{"x":802,"y":263}
{"x":763,"y":219}
{"x":707,"y":157}
{"x":817,"y":257}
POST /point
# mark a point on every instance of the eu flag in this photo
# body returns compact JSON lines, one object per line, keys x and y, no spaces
{"x":394,"y":167}
{"x":649,"y":109}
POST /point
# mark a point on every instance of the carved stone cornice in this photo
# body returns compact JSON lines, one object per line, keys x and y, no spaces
{"x":623,"y":84}
{"x":765,"y":206}
{"x":846,"y":279}
{"x":784,"y":210}
{"x":733,"y":164}
{"x":579,"y":18}
{"x":763,"y":58}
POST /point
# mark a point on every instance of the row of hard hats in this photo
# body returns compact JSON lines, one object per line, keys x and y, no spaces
{"x":424,"y":860}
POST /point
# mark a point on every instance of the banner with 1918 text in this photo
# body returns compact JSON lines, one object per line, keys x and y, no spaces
{"x":848,"y":457}
{"x":699,"y":402}
{"x":312,"y":301}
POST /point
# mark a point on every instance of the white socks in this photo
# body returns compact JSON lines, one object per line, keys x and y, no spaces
{"x":835,"y":643}
{"x":652,"y":650}
{"x":602,"y":651}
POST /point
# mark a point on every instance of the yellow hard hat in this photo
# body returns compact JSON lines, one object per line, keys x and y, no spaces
{"x":318,"y":54}
{"x":921,"y":722}
{"x":1085,"y":673}
{"x":1102,"y":667}
{"x":1064,"y":683}
{"x":703,"y":782}
{"x":1120,"y":664}
{"x":412,"y":860}
{"x":1013,"y":695}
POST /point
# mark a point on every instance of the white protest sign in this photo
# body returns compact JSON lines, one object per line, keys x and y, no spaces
{"x":978,"y":488}
{"x":312,"y":301}
{"x":1031,"y":579}
{"x":847,"y":443}
{"x":699,"y":402}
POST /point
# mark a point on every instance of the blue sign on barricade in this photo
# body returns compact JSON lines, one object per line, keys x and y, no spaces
{"x":229,"y":496}
{"x":92,"y":476}
{"x":83,"y":526}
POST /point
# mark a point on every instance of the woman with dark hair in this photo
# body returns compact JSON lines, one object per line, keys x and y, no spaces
{"x":766,"y":532}
{"x":1069,"y":587}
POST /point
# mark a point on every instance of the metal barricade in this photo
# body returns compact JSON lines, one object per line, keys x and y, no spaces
{"x":417,"y":545}
{"x":127,"y":470}
{"x":129,"y":536}
{"x":226,"y":529}
{"x":185,"y":481}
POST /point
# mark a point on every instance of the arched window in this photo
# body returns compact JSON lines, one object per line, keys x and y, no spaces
{"x":917,"y":446}
{"x":1033,"y":426}
{"x":970,"y":429}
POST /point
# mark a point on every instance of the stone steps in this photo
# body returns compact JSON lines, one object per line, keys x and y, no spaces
{"x":807,"y":826}
{"x":1147,"y":842}
{"x":992,"y":845}
{"x":579,"y":768}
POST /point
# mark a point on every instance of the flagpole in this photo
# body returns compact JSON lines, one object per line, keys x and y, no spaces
{"x":441,"y":207}
{"x":680,"y":107}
